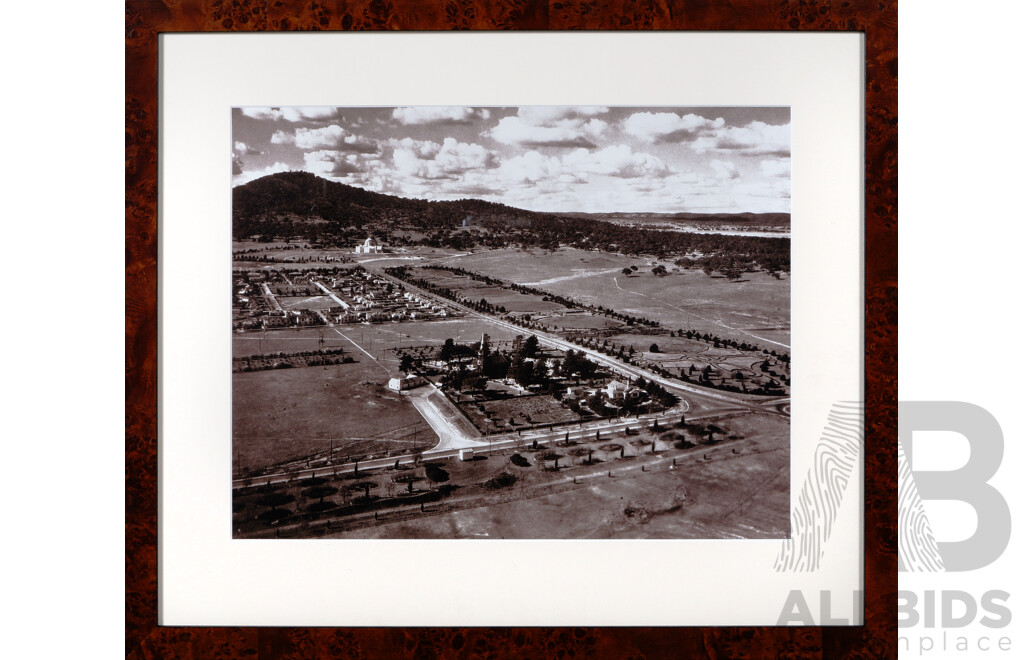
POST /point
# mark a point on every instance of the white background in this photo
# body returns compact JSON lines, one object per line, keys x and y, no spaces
{"x":959,"y":270}
{"x":960,"y":218}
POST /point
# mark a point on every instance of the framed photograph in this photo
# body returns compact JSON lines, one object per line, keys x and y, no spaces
{"x":511,"y":340}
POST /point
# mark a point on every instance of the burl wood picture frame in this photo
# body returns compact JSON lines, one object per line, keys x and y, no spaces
{"x":147,"y":19}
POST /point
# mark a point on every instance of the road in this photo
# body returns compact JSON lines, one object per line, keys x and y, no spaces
{"x":506,"y":441}
{"x":439,"y":412}
{"x":621,"y":368}
{"x":344,"y":305}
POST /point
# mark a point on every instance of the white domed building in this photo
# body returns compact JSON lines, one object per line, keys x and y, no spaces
{"x":370,"y":246}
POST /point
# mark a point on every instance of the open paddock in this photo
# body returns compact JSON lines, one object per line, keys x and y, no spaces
{"x":306,"y":302}
{"x":712,"y":492}
{"x":285,"y":414}
{"x":513,"y":301}
{"x":376,"y":338}
{"x":285,"y":340}
{"x":541,"y":268}
{"x":582,"y":321}
{"x":755,"y":309}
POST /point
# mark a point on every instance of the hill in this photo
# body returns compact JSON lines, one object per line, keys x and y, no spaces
{"x":260,"y":206}
{"x":300,"y":204}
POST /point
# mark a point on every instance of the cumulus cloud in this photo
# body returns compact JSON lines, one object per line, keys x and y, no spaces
{"x":668,"y":126}
{"x":549,"y":158}
{"x":430,"y":160}
{"x":328,"y":137}
{"x":292,"y":113}
{"x":725,"y":170}
{"x":249,"y":175}
{"x":552,"y":126}
{"x":777,"y":167}
{"x":546,"y":115}
{"x":262,"y":113}
{"x":561,"y":133}
{"x":421,"y":148}
{"x":756,"y":138}
{"x":530,"y":167}
{"x":333,"y":163}
{"x":423,"y":114}
{"x":242,"y":149}
{"x":314,"y":113}
{"x":579,"y":165}
{"x":616,"y":160}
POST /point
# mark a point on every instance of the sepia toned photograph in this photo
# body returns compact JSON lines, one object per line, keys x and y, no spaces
{"x":535,"y":322}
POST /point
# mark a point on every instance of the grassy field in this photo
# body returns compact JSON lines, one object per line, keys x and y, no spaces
{"x":513,"y":301}
{"x":582,"y":321}
{"x":755,"y":309}
{"x":377,"y":339}
{"x":306,"y":302}
{"x":729,"y":494}
{"x":283,"y":414}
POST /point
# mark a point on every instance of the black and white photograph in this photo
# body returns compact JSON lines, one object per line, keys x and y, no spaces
{"x":534,"y":322}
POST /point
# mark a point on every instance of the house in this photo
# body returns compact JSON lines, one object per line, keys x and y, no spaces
{"x":617,"y":390}
{"x":275,"y":321}
{"x":409,"y":382}
{"x":370,"y":246}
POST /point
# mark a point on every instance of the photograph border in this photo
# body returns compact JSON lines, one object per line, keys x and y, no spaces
{"x":145,"y":20}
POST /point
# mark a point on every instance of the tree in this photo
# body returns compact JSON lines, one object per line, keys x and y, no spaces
{"x":659,"y":270}
{"x":406,"y":363}
{"x":448,"y":350}
{"x":436,"y":474}
{"x":654,"y":348}
{"x":578,"y":452}
{"x":627,"y":272}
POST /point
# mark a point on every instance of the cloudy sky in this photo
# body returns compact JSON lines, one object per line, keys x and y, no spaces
{"x":542,"y":158}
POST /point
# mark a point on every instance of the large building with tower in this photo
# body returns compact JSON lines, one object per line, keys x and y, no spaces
{"x":370,"y":246}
